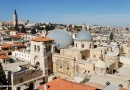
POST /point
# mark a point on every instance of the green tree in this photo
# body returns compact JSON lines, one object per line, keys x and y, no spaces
{"x":3,"y":80}
{"x":111,"y":36}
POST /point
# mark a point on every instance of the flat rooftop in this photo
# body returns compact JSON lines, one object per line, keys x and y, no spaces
{"x":13,"y":66}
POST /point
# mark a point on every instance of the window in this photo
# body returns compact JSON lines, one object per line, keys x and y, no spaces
{"x":49,"y":48}
{"x":90,"y":46}
{"x":82,"y":45}
{"x":49,"y":70}
{"x":76,"y":44}
{"x":38,"y":48}
{"x":34,"y":47}
{"x":46,"y":49}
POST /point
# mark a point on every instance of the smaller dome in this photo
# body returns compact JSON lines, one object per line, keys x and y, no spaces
{"x":84,"y":36}
{"x":100,"y":64}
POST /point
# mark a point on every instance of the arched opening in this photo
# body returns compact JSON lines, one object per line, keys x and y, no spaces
{"x":34,"y":47}
{"x":38,"y":48}
{"x":59,"y":66}
{"x":108,"y":70}
{"x":66,"y":68}
{"x":9,"y":53}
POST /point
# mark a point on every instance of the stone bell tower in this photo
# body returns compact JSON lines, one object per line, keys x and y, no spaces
{"x":15,"y":20}
{"x":41,"y":54}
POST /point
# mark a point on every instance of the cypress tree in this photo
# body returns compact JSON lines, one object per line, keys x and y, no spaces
{"x":111,"y":36}
{"x":3,"y":80}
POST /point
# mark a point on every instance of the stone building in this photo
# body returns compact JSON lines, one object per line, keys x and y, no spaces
{"x":79,"y":60}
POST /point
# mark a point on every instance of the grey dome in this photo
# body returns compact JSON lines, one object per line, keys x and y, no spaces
{"x":84,"y":36}
{"x":61,"y":38}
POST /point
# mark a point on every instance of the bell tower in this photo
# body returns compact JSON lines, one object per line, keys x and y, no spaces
{"x":15,"y":19}
{"x":41,"y":54}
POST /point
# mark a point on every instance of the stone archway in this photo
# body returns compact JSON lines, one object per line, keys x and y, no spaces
{"x":37,"y":61}
{"x":59,"y":65}
{"x":66,"y":67}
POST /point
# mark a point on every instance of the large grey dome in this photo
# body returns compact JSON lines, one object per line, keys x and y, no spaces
{"x":61,"y":38}
{"x":84,"y":36}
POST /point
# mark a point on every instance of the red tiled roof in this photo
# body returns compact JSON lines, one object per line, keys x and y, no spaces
{"x":59,"y":84}
{"x":3,"y":57}
{"x":2,"y":53}
{"x":4,"y":30}
{"x":6,"y":45}
{"x":42,"y":39}
{"x":21,"y":34}
{"x":15,"y":36}
{"x":123,"y":89}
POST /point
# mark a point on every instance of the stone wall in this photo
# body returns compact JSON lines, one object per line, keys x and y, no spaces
{"x":23,"y":76}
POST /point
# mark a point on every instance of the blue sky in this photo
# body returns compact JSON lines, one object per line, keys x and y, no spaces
{"x":101,"y":12}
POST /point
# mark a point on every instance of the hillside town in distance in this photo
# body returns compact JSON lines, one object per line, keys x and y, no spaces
{"x":51,"y":56}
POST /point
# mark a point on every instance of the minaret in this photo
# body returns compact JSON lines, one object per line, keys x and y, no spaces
{"x":15,"y":20}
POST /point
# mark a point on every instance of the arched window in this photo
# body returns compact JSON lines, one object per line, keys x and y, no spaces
{"x":38,"y":48}
{"x":66,"y":68}
{"x":90,"y":46}
{"x":46,"y":49}
{"x":49,"y":47}
{"x":34,"y":47}
{"x":59,"y":66}
{"x":82,"y":45}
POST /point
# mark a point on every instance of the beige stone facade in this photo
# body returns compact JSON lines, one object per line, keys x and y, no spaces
{"x":83,"y":60}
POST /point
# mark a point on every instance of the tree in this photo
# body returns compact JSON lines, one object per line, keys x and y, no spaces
{"x":111,"y":36}
{"x":3,"y":80}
